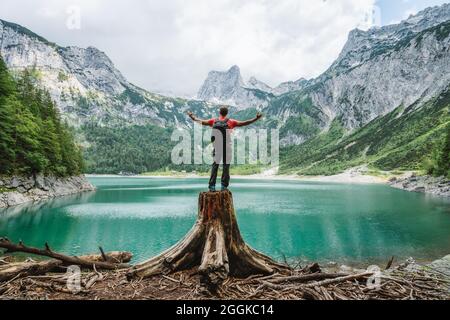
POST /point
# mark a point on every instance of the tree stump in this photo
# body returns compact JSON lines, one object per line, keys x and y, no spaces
{"x":214,"y":245}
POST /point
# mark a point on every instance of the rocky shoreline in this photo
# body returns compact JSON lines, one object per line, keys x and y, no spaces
{"x":19,"y":190}
{"x":439,"y":186}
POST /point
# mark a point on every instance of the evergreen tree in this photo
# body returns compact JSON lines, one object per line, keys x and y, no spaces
{"x":69,"y":153}
{"x":27,"y":92}
{"x":29,"y":152}
{"x":51,"y":147}
{"x":7,"y":111}
{"x":32,"y":136}
{"x":443,"y":164}
{"x":7,"y":150}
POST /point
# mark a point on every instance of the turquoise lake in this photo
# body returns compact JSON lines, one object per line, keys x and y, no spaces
{"x":300,"y":220}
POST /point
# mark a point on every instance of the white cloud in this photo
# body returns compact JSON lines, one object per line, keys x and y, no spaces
{"x":171,"y":45}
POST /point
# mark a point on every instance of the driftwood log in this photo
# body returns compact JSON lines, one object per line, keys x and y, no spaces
{"x":110,"y":261}
{"x":25,"y":269}
{"x":13,"y":270}
{"x":214,"y":245}
{"x":115,"y":257}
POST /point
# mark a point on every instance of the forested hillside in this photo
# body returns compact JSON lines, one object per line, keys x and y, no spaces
{"x":406,"y":138}
{"x":133,"y":149}
{"x":137,"y":148}
{"x":33,"y":139}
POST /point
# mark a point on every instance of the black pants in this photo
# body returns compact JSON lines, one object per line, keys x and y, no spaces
{"x":225,"y":175}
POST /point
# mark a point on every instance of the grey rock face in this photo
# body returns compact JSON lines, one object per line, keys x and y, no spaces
{"x":441,"y":266}
{"x":375,"y":85}
{"x":15,"y":182}
{"x":281,"y":89}
{"x":229,"y":88}
{"x":86,"y":85}
{"x":11,"y":199}
{"x":290,"y":86}
{"x":361,"y":44}
{"x":40,"y":182}
{"x":254,"y":83}
{"x":378,"y":71}
{"x":21,"y":190}
{"x":93,"y":69}
{"x":425,"y":184}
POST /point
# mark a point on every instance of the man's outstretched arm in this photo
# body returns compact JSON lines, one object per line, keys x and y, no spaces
{"x":195,"y":119}
{"x":249,"y":122}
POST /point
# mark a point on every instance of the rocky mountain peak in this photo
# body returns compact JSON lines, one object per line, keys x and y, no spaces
{"x":222,"y":86}
{"x":229,"y":88}
{"x":86,"y":85}
{"x":230,"y":78}
{"x":290,"y":86}
{"x":361,"y":44}
{"x":254,"y":83}
{"x":93,"y":69}
{"x":89,"y":68}
{"x":379,"y":70}
{"x":14,"y":27}
{"x":235,"y":70}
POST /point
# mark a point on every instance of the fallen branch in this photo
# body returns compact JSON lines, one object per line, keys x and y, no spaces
{"x":93,"y":280}
{"x":112,"y":257}
{"x":67,"y":260}
{"x":309,"y":277}
{"x":25,"y":269}
{"x":332,"y":279}
{"x":417,"y":285}
{"x":50,"y":286}
{"x":31,"y":268}
{"x":389,"y":264}
{"x":339,"y":280}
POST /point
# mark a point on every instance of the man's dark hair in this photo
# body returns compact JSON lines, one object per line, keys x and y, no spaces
{"x":223,"y":111}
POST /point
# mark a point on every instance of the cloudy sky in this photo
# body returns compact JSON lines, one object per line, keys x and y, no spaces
{"x":171,"y":45}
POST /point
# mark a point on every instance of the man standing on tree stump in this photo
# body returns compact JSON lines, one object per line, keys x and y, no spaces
{"x":221,"y":137}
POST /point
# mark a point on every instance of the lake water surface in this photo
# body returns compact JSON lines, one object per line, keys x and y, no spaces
{"x":312,"y":221}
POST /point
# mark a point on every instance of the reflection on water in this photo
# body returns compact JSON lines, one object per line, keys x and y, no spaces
{"x":314,"y":221}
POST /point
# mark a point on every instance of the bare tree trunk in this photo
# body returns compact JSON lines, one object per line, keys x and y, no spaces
{"x":214,"y":245}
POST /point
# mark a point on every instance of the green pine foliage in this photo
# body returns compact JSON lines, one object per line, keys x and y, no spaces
{"x":132,"y":149}
{"x":33,"y":139}
{"x":438,"y":163}
{"x":7,"y":120}
{"x":444,"y":159}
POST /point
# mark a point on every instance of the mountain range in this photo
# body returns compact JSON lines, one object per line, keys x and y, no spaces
{"x":86,"y":85}
{"x":383,"y":77}
{"x":229,"y":88}
{"x":384,"y":98}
